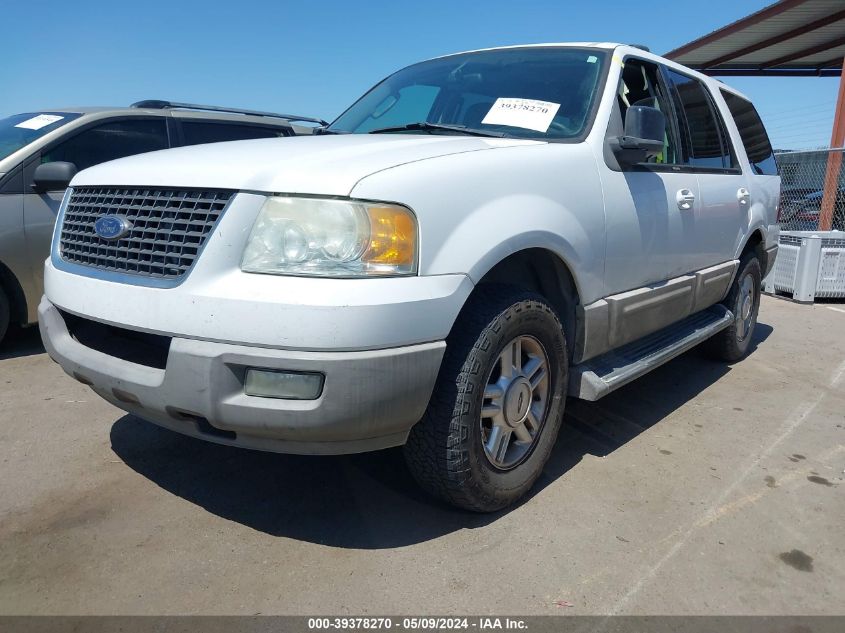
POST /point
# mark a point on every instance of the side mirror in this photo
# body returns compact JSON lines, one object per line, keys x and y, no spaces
{"x":645,"y":130}
{"x":53,"y":176}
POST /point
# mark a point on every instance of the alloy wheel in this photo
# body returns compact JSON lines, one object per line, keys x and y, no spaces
{"x":516,"y":399}
{"x":745,"y":308}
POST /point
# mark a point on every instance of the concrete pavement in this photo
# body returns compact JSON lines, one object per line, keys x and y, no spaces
{"x":701,"y":488}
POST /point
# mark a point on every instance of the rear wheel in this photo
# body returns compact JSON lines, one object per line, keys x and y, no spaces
{"x":498,"y":403}
{"x":732,"y":343}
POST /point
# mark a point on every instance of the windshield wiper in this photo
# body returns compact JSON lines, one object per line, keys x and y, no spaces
{"x":425,"y":125}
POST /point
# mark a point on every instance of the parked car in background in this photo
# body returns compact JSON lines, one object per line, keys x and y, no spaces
{"x":41,"y":151}
{"x":803,"y":213}
{"x":790,"y":199}
{"x":478,"y":237}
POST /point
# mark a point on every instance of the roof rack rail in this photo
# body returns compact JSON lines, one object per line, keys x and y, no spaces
{"x":157,"y":104}
{"x":642,"y":47}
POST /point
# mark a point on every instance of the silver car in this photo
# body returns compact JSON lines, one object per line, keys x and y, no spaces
{"x":41,"y":151}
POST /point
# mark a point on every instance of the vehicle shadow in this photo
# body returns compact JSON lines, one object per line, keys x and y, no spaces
{"x":599,"y":428}
{"x":370,"y":501}
{"x":21,"y":342}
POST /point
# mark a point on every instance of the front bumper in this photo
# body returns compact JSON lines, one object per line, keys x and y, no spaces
{"x":216,"y":301}
{"x":370,"y":399}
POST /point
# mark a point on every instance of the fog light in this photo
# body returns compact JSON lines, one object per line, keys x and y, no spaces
{"x":290,"y":385}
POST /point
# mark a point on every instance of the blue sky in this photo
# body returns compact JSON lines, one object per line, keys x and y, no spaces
{"x":316,"y":58}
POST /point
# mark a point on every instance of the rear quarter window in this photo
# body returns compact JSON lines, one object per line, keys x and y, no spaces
{"x":753,"y":135}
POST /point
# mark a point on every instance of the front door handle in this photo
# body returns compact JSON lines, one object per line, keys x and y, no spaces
{"x":743,"y":195}
{"x":685,"y":198}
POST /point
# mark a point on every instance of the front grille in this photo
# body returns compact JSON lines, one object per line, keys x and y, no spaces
{"x":168,"y":228}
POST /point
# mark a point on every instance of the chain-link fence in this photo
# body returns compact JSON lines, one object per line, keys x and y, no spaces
{"x":812,"y":190}
{"x":810,"y":265}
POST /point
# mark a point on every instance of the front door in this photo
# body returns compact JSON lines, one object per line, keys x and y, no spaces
{"x":39,"y":214}
{"x":99,"y":143}
{"x":13,"y":255}
{"x":644,"y":201}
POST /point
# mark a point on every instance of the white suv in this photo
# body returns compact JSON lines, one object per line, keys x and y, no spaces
{"x":478,"y":237}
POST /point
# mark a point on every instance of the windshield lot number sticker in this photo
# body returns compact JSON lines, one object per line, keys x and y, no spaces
{"x":37,"y":122}
{"x":529,"y":114}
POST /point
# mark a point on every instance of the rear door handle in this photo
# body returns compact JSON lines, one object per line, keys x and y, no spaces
{"x":743,"y":195}
{"x":685,"y":199}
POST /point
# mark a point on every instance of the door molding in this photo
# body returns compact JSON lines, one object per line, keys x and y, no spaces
{"x":622,"y":318}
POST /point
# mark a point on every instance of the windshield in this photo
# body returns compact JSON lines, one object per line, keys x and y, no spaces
{"x":20,"y":130}
{"x":543,"y":93}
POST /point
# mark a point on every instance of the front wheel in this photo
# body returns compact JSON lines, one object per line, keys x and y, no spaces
{"x":498,"y":403}
{"x":732,"y":343}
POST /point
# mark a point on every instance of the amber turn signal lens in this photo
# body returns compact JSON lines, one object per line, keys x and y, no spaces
{"x":393,"y":237}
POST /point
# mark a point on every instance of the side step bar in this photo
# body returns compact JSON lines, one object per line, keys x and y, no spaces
{"x":599,"y":376}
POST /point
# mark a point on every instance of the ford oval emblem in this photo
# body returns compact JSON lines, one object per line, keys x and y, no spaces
{"x":112,"y":227}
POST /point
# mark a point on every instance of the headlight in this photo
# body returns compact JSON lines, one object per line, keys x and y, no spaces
{"x":332,"y":238}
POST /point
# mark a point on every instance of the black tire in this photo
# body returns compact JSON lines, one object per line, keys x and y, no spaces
{"x":4,"y":314}
{"x":444,"y":451}
{"x":732,"y":343}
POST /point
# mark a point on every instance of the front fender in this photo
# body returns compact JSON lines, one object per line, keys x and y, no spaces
{"x":473,"y":247}
{"x":475,"y":209}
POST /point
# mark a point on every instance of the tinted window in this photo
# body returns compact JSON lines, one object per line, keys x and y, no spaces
{"x":701,"y":130}
{"x":109,"y":141}
{"x":198,"y":132}
{"x":753,"y":135}
{"x":21,"y":129}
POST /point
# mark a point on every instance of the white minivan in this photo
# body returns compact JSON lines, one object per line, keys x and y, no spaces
{"x":477,"y":238}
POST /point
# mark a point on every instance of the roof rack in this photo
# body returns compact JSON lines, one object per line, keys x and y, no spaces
{"x":163,"y":105}
{"x":642,"y":47}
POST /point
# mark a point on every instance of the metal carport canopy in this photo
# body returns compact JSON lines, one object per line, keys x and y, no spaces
{"x":788,"y":38}
{"x":791,"y":38}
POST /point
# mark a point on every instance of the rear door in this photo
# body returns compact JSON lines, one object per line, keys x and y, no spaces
{"x":763,"y":180}
{"x":101,"y":142}
{"x":707,"y":233}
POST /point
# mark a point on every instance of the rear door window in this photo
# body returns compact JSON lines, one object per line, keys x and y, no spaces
{"x":109,"y":141}
{"x":753,"y":135}
{"x":706,"y":143}
{"x":199,"y":132}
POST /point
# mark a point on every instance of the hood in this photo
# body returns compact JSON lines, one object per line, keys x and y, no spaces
{"x":326,"y":165}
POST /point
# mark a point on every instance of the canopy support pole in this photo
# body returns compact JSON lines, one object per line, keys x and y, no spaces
{"x":834,"y":159}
